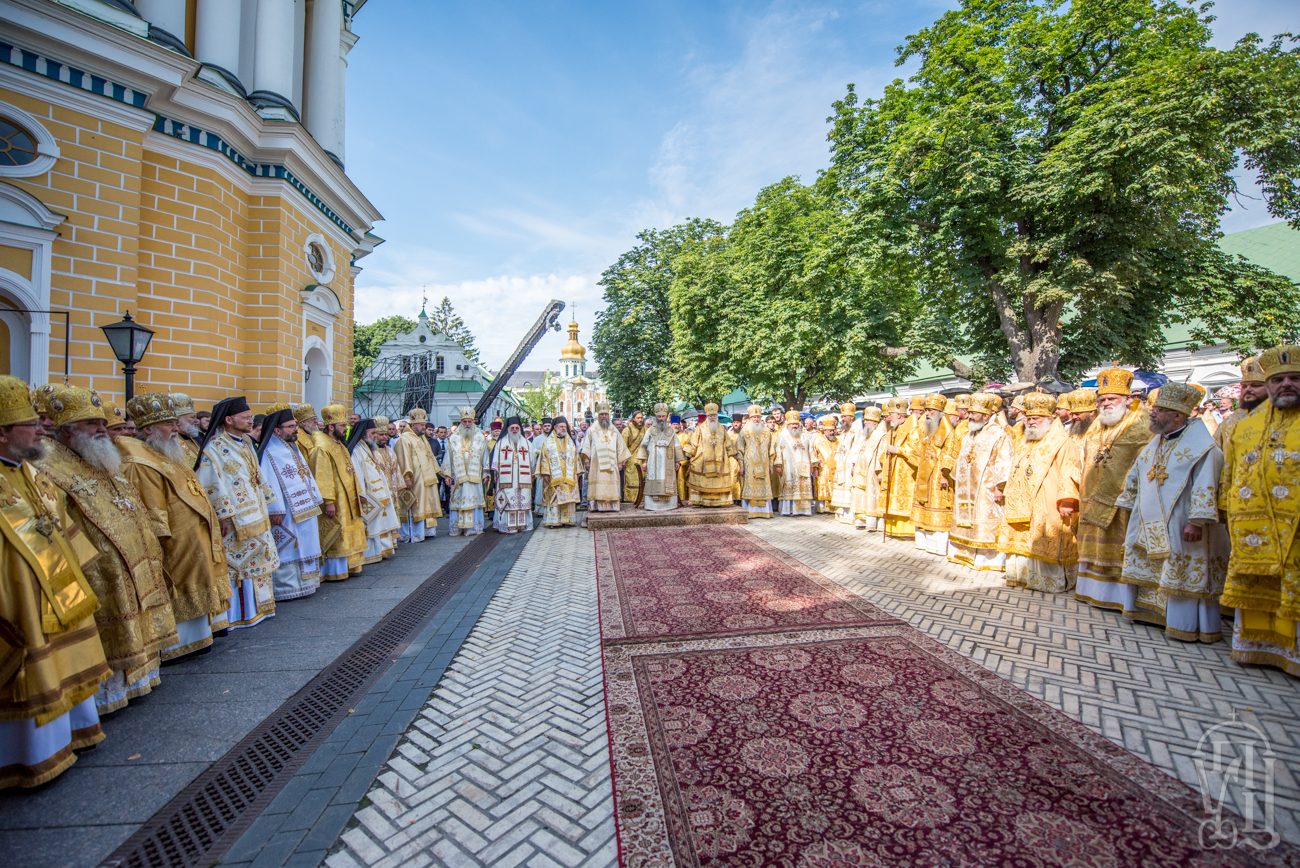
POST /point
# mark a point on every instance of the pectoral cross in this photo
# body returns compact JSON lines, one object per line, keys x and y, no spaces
{"x":84,"y":485}
{"x":1157,"y":474}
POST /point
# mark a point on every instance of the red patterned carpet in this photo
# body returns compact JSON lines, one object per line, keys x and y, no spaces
{"x":854,"y":744}
{"x":713,"y":581}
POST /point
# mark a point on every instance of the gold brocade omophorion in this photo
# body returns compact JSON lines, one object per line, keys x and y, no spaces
{"x":898,"y":477}
{"x":1260,"y":494}
{"x":420,"y":472}
{"x":932,"y":501}
{"x":337,"y":480}
{"x":135,"y":617}
{"x":632,"y":435}
{"x":1044,"y":476}
{"x":1108,"y":453}
{"x":709,"y":449}
{"x":182,"y":517}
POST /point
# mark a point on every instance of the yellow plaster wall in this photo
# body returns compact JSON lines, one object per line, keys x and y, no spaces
{"x":16,"y":259}
{"x":217,"y":273}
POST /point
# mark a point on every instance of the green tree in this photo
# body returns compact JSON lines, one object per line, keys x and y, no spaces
{"x":632,"y":338}
{"x":540,"y":401}
{"x":1051,"y":179}
{"x":444,"y":319}
{"x":783,"y":307}
{"x":366,"y":340}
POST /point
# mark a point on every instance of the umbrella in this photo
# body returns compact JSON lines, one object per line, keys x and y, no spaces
{"x":1055,"y":387}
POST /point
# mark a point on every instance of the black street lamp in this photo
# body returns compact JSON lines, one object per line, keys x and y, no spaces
{"x":129,"y":341}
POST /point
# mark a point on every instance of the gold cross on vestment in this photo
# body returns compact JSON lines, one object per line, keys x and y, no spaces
{"x":1157,"y":474}
{"x":84,"y":485}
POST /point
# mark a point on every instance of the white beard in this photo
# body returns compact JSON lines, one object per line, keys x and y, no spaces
{"x":662,"y":427}
{"x":605,"y":423}
{"x":795,"y":434}
{"x":169,"y":446}
{"x":515,"y":441}
{"x":466,"y":433}
{"x":189,"y":427}
{"x":99,"y":452}
{"x":893,"y":423}
{"x":1112,"y":415}
{"x":868,"y":427}
{"x":714,"y":427}
{"x":755,"y":427}
{"x":975,"y":426}
{"x":932,"y":425}
{"x":1286,"y":402}
{"x":1036,"y":433}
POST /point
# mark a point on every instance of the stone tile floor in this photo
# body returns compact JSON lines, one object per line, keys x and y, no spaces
{"x":507,"y":764}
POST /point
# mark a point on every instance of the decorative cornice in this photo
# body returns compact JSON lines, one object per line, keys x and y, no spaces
{"x":63,"y":73}
{"x":71,"y":76}
{"x":213,"y":142}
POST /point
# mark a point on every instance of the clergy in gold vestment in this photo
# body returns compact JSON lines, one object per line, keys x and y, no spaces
{"x":979,"y":481}
{"x":1175,"y":546}
{"x":634,"y":471}
{"x":794,"y":464}
{"x":558,"y":468}
{"x":180,"y":515}
{"x":378,"y":512}
{"x":135,"y":616}
{"x":1042,"y":501}
{"x":683,"y":437}
{"x":386,"y":460}
{"x":825,"y":444}
{"x":709,"y":449}
{"x":308,"y":425}
{"x":1109,"y":447}
{"x":51,"y":659}
{"x":899,"y":458}
{"x":661,"y":453}
{"x":466,"y":463}
{"x":603,"y":455}
{"x":228,"y":471}
{"x":187,"y":426}
{"x":342,"y":529}
{"x":932,"y":502}
{"x":846,"y":449}
{"x":1254,"y":392}
{"x":866,"y":504}
{"x":419,"y":507}
{"x":1260,"y":494}
{"x":754,"y":449}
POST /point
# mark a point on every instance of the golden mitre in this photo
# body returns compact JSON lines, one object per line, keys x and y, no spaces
{"x":70,"y":404}
{"x":1114,"y":381}
{"x":15,"y":402}
{"x":151,"y":408}
{"x":984,"y":402}
{"x":1251,"y":372}
{"x":334,"y":414}
{"x":1039,"y":404}
{"x":934,"y":402}
{"x":1280,"y":360}
{"x":1179,"y":397}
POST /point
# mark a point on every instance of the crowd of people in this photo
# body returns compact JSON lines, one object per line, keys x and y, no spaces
{"x":130,"y":539}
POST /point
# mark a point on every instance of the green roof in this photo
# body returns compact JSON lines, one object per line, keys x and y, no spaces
{"x":1275,"y":247}
{"x":399,"y":385}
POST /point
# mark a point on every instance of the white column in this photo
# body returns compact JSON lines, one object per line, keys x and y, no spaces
{"x":273,"y":49}
{"x":216,"y":35}
{"x":323,"y":109}
{"x":166,"y":15}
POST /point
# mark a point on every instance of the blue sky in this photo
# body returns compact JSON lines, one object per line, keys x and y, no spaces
{"x":516,"y":148}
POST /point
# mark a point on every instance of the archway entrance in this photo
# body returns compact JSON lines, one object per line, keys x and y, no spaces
{"x":316,"y":378}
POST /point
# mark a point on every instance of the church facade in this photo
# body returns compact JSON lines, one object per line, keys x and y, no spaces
{"x":579,"y":392}
{"x":182,"y":160}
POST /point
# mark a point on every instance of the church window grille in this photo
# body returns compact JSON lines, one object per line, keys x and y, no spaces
{"x":17,"y":145}
{"x":406,"y":365}
{"x":424,"y":364}
{"x":439,"y":364}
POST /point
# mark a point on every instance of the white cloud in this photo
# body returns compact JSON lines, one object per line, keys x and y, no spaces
{"x":499,"y":310}
{"x":755,"y":120}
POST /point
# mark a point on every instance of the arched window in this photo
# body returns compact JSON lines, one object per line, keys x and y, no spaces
{"x":26,"y":148}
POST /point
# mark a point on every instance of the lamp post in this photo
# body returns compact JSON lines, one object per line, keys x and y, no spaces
{"x":129,"y":341}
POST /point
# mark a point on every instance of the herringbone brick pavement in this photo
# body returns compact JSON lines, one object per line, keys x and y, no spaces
{"x":508,"y":763}
{"x":1151,"y":695}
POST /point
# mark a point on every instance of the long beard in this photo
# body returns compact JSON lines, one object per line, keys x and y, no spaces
{"x":868,"y":427}
{"x":714,"y":427}
{"x":662,"y":427}
{"x":189,"y":427}
{"x":168,"y":444}
{"x":795,"y":434}
{"x":1036,"y":433}
{"x":755,"y":427}
{"x":1112,"y":415}
{"x":974,"y":427}
{"x":466,"y":433}
{"x":932,"y":425}
{"x":605,"y":423}
{"x":1081,"y":425}
{"x":97,"y":451}
{"x":893,"y":423}
{"x":515,"y":441}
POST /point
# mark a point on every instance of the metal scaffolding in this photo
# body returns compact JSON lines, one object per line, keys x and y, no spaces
{"x":396,"y":385}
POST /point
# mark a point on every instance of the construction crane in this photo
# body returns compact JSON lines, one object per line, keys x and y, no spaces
{"x":550,"y":319}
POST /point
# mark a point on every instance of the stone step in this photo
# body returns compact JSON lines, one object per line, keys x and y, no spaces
{"x":688,"y":516}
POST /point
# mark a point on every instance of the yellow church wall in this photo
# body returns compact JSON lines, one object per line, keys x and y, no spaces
{"x":95,"y":184}
{"x":16,"y":259}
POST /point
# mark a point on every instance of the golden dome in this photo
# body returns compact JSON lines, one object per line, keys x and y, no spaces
{"x":573,"y":349}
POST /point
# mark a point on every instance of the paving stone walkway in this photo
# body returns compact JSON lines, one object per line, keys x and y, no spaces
{"x":507,"y":763}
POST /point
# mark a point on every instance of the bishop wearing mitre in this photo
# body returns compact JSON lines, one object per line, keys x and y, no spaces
{"x":932,"y":501}
{"x":419,"y":507}
{"x":754,"y":450}
{"x":604,"y":452}
{"x":979,"y":482}
{"x":900,"y":457}
{"x":1041,"y":503}
{"x":660,"y":453}
{"x":709,"y":449}
{"x":342,"y":529}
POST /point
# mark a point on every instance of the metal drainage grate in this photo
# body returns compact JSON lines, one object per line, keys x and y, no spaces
{"x":205,"y":819}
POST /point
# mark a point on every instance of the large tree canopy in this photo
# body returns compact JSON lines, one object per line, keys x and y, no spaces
{"x":782,"y":307}
{"x":632,"y":339}
{"x":1051,"y":179}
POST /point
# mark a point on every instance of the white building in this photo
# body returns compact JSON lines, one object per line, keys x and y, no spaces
{"x":580,"y":392}
{"x":388,"y":385}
